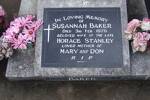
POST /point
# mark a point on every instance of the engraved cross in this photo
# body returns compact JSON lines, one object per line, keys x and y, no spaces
{"x":48,"y":29}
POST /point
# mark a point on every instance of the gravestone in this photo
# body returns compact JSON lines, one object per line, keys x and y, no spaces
{"x":103,"y":55}
{"x":82,"y":40}
{"x":85,"y":37}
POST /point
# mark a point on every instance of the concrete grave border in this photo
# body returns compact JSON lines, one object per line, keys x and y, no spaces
{"x":81,"y":72}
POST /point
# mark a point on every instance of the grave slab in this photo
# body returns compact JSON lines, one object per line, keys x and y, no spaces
{"x":20,"y":67}
{"x":69,"y":70}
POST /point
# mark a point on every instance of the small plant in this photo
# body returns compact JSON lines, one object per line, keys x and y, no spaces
{"x":22,"y":32}
{"x":139,"y":33}
{"x":19,"y":35}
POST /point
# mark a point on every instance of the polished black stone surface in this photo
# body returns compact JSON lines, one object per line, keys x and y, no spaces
{"x":82,"y":37}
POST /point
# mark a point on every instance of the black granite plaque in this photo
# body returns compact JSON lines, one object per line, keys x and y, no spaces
{"x":82,"y":37}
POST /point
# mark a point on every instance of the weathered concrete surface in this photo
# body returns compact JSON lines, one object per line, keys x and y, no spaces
{"x":136,"y":9}
{"x":28,"y":10}
{"x":147,"y":2}
{"x":75,"y":91}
